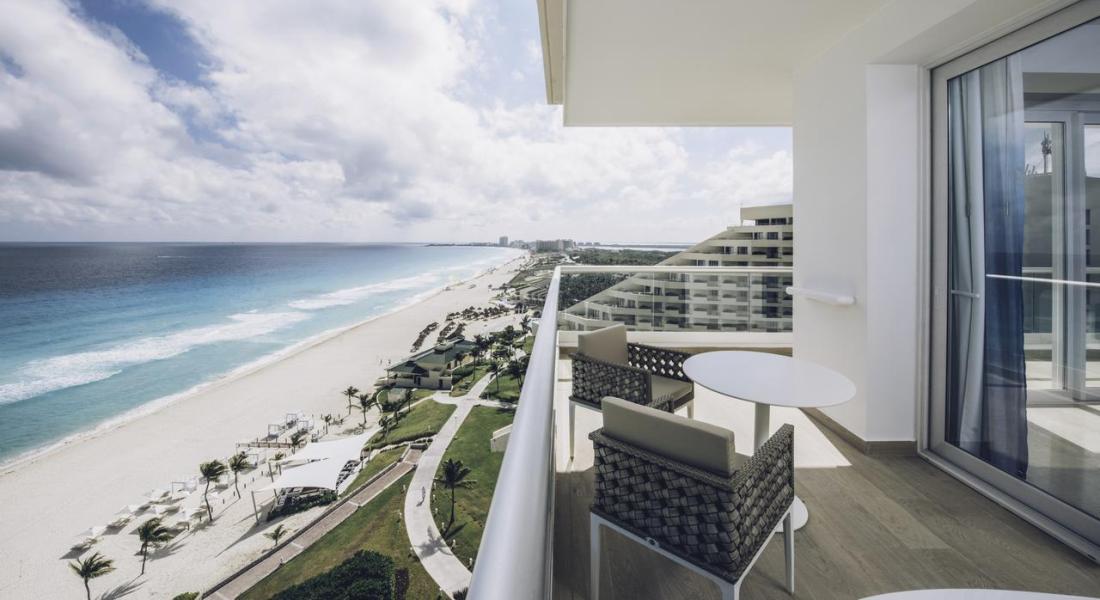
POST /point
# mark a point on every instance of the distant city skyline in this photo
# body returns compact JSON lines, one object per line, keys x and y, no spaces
{"x":339,"y":120}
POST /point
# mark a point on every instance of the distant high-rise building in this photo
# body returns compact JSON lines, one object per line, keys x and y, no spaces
{"x":727,"y":302}
{"x":553,"y":245}
{"x":503,"y":241}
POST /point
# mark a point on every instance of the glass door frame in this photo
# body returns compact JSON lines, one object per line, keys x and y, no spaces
{"x":1065,"y":522}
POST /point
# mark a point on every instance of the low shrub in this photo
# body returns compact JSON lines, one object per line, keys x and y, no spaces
{"x":365,"y":576}
{"x":462,"y":371}
{"x":296,"y":506}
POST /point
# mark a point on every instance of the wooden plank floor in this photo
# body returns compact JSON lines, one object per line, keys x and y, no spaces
{"x":882,"y":524}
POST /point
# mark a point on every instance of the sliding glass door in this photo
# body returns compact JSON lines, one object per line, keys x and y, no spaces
{"x":1016,"y":365}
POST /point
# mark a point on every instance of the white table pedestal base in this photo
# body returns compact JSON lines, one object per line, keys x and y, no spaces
{"x":799,"y":515}
{"x":761,"y":430}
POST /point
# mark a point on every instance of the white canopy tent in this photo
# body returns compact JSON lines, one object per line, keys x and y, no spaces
{"x":341,"y":450}
{"x":319,"y":474}
{"x":328,"y":459}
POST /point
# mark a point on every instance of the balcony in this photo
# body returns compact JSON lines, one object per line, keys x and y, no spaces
{"x":880,"y":522}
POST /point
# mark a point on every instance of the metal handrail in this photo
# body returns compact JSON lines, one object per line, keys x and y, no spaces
{"x":675,"y":269}
{"x":515,"y":556}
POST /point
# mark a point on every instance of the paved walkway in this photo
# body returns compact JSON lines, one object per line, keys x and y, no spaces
{"x":246,"y":579}
{"x":435,"y":555}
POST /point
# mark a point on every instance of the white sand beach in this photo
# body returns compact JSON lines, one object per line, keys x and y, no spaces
{"x":47,"y":501}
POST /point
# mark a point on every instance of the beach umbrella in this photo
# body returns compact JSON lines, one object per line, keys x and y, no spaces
{"x":90,"y":535}
{"x":156,"y":494}
{"x":132,"y":509}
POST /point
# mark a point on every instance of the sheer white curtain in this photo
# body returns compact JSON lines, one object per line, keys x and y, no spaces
{"x":987,"y":403}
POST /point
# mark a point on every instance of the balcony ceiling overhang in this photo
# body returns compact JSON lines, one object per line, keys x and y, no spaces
{"x":692,"y":62}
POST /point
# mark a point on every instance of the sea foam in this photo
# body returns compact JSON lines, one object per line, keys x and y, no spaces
{"x":68,"y":370}
{"x":355,"y":294}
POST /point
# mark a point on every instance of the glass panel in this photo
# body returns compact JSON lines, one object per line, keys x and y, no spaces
{"x":1023,"y":315}
{"x":1092,"y":251}
{"x":677,"y":301}
{"x":1044,"y":156}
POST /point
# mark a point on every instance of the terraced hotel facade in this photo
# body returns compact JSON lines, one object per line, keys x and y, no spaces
{"x":706,"y":302}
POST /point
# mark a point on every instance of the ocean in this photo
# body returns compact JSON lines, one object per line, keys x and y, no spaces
{"x":94,"y":333}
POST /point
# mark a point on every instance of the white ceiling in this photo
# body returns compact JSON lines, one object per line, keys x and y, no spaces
{"x":686,"y":62}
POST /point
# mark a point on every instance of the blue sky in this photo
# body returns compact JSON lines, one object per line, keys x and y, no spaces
{"x":334,"y":120}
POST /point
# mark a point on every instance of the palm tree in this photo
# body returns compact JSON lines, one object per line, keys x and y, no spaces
{"x":515,"y":370}
{"x":481,"y":344}
{"x":453,"y":477}
{"x":494,"y":368}
{"x":387,"y":424}
{"x":296,"y":438}
{"x":237,"y":463}
{"x":152,"y":533}
{"x":525,"y":323}
{"x":277,"y":534}
{"x":365,"y":402}
{"x":210,"y":471}
{"x":350,"y":393}
{"x":94,"y":566}
{"x":270,"y":464}
{"x":328,"y":421}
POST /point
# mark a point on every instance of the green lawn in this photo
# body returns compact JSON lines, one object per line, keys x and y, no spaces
{"x":471,"y":446}
{"x":529,"y":344}
{"x":375,"y":466}
{"x":463,"y":385}
{"x":376,"y":526}
{"x":506,"y":391}
{"x":397,"y":394}
{"x":422,"y":420}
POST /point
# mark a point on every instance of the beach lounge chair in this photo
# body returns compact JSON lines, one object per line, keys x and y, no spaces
{"x":120,"y":520}
{"x":88,"y":537}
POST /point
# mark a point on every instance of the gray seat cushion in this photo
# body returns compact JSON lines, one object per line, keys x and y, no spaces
{"x":607,"y":344}
{"x":670,"y":389}
{"x":701,"y":445}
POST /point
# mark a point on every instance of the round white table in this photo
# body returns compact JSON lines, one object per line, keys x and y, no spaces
{"x":769,"y":380}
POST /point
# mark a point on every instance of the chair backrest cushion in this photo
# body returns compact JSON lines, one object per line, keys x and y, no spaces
{"x":701,"y":445}
{"x":607,"y":344}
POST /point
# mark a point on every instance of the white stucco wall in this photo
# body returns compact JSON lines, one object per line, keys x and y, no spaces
{"x":859,"y":147}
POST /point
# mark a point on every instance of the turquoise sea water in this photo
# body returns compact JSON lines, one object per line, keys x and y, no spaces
{"x":91,"y":332}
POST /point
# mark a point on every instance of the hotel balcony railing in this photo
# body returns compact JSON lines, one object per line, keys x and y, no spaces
{"x":515,"y":559}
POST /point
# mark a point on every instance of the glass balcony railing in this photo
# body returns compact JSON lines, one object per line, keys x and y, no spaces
{"x":675,"y":298}
{"x":656,"y":300}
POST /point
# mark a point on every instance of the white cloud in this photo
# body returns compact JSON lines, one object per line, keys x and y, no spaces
{"x":340,"y":119}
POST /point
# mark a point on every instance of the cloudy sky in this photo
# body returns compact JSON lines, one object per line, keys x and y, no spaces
{"x":334,"y":120}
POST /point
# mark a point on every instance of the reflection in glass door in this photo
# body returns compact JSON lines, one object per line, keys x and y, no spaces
{"x":1020,"y":405}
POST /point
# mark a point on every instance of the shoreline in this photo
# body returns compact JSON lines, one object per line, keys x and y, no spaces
{"x":151,"y":407}
{"x":51,"y":497}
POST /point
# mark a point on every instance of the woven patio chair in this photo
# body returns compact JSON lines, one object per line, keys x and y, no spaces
{"x":676,"y":486}
{"x":607,"y":365}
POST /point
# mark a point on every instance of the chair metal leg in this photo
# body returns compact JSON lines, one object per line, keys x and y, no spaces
{"x":691,"y":409}
{"x":788,"y":549}
{"x":729,"y":591}
{"x":594,"y":558}
{"x":572,"y":427}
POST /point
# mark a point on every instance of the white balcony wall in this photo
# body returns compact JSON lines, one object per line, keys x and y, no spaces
{"x":859,"y":182}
